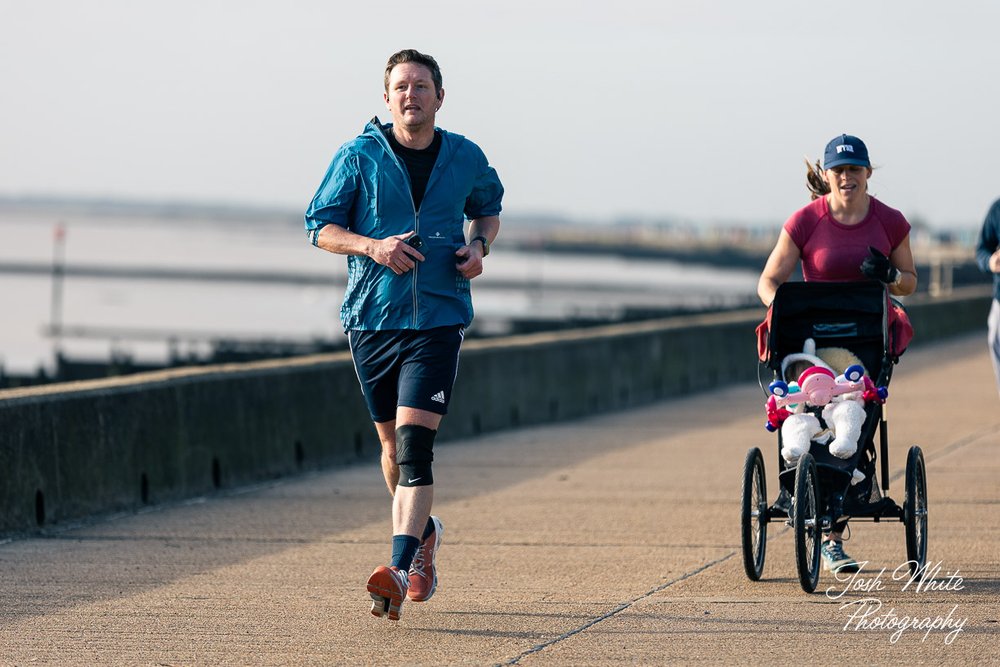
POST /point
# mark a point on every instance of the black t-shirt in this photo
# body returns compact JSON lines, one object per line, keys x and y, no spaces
{"x":419,"y":164}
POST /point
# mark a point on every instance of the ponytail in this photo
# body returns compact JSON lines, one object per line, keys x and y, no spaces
{"x":817,"y":185}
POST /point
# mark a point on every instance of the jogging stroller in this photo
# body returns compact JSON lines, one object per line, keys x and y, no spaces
{"x":816,"y":494}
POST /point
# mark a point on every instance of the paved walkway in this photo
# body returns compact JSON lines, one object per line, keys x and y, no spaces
{"x":610,"y":540}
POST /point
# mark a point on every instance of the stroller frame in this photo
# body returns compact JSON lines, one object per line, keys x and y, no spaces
{"x":817,"y":495}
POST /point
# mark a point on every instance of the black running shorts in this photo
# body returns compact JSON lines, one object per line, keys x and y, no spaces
{"x":406,"y":367}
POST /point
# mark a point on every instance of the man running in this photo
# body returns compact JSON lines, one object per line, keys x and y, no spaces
{"x":395,"y":200}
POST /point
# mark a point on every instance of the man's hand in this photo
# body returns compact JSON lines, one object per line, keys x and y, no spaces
{"x":395,"y":253}
{"x":469,"y":260}
{"x":878,"y":267}
{"x":995,"y":261}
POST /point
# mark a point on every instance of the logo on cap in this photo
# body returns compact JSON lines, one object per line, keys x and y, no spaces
{"x":845,"y":149}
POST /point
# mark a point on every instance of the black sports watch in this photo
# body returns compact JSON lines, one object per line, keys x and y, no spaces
{"x":486,"y":244}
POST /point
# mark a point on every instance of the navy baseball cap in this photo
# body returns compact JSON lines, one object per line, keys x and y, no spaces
{"x":846,"y":149}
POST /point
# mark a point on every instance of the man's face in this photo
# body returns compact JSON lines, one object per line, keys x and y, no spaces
{"x":411,"y":96}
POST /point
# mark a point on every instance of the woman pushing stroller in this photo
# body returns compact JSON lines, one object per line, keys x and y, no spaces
{"x":845,"y":234}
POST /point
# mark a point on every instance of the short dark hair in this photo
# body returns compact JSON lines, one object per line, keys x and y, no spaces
{"x":414,"y":56}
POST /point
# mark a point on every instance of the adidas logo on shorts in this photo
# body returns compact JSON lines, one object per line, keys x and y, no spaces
{"x":439,"y":397}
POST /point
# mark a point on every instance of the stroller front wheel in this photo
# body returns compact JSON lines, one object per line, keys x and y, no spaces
{"x":915,"y":510}
{"x":806,"y":523}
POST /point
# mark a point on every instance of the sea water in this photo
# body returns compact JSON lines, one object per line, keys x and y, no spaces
{"x":277,"y":287}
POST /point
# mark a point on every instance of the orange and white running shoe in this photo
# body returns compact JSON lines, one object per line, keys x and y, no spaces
{"x":388,"y":587}
{"x":423,"y":570}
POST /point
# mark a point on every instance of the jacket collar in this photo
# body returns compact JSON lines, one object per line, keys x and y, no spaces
{"x":376,"y":130}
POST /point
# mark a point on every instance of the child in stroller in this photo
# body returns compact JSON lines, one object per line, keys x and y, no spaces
{"x":821,"y":397}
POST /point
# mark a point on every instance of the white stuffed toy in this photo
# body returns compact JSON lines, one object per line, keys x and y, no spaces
{"x":816,"y":384}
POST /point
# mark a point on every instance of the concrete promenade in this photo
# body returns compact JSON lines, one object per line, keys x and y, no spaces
{"x":608,"y":540}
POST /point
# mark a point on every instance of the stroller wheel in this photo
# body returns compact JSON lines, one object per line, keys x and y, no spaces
{"x":806,"y":523}
{"x":915,"y":510}
{"x":754,"y":515}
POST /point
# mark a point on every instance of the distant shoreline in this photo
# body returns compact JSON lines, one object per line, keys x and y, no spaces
{"x":732,"y":257}
{"x":734,"y":246}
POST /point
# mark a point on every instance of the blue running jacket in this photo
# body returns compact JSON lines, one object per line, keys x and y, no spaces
{"x":367,"y":191}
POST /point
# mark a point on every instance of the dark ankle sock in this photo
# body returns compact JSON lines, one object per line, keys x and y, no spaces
{"x":404,"y":547}
{"x":429,"y":529}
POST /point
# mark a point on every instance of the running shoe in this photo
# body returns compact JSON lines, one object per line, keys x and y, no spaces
{"x":388,"y":587}
{"x":835,"y":560}
{"x":423,"y":570}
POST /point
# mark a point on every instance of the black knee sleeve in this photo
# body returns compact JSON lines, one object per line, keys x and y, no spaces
{"x":414,"y":455}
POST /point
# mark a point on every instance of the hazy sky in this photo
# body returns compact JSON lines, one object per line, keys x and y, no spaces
{"x":696,"y":110}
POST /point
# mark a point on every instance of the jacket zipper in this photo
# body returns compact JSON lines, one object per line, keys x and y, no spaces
{"x":416,"y":217}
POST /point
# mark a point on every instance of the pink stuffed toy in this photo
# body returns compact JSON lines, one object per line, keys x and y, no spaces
{"x":841,"y":398}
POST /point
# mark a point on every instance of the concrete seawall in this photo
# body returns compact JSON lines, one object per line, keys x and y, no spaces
{"x":74,"y":450}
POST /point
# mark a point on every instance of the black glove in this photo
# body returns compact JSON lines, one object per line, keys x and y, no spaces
{"x":878,"y":267}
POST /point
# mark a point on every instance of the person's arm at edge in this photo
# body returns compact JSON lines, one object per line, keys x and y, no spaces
{"x":987,"y":254}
